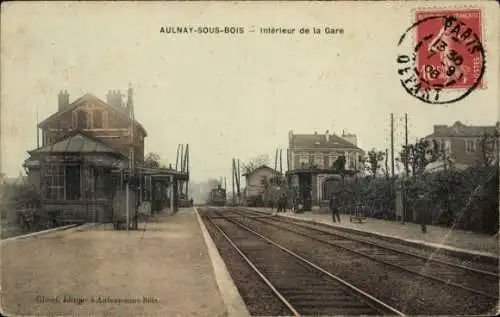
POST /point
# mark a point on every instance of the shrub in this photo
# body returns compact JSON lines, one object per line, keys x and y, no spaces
{"x":465,"y":199}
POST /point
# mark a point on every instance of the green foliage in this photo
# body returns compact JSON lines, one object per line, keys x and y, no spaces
{"x":339,"y":164}
{"x":20,"y":203}
{"x":22,"y":196}
{"x":465,"y":199}
{"x":152,"y":160}
{"x":488,"y":145}
{"x":255,"y":162}
{"x":374,"y":159}
{"x":420,"y":154}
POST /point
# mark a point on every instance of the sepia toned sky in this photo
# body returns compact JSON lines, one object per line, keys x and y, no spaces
{"x":226,"y":95}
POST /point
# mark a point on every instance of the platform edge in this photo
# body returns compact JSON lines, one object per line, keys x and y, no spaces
{"x":488,"y":258}
{"x":231,"y":297}
{"x":38,"y":233}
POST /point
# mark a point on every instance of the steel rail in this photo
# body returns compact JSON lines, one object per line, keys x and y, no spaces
{"x":437,"y":279}
{"x":254,"y":268}
{"x":365,"y":297}
{"x":361,"y":240}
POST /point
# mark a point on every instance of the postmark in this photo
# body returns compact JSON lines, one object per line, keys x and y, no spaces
{"x":441,"y":57}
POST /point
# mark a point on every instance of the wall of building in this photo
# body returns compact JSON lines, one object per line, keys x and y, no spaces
{"x":457,"y":148}
{"x":34,"y":178}
{"x":80,"y":211}
{"x":114,"y":132}
{"x":327,"y":158}
{"x":254,"y":186}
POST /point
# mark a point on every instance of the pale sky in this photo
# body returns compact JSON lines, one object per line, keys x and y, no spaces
{"x":226,"y":95}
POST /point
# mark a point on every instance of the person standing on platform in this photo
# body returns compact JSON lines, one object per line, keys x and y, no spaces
{"x":283,"y":201}
{"x":334,"y":208}
{"x":423,"y":212}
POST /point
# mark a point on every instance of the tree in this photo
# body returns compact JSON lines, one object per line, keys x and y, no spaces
{"x":339,"y":166}
{"x":152,"y":160}
{"x":255,"y":162}
{"x":417,"y":156}
{"x":489,"y":147}
{"x":374,"y":159}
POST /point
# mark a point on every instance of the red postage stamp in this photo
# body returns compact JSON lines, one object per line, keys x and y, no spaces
{"x":450,"y":51}
{"x":442,"y":58}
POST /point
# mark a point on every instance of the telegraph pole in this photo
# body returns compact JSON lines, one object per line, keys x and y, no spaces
{"x":187,"y":170}
{"x":233,"y":172}
{"x":281,"y":162}
{"x":177,"y":157}
{"x":392,"y":144}
{"x":37,"y":131}
{"x":276,"y":160}
{"x":386,"y":163}
{"x":406,"y":145}
{"x":238,"y":181}
{"x":288,"y":160}
{"x":407,"y":172}
{"x":131,"y":153}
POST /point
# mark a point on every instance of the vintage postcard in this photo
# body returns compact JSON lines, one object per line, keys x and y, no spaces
{"x":252,"y":158}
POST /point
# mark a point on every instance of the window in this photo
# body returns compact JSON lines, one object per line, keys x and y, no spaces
{"x":318,"y":161}
{"x":447,"y":146}
{"x":332,"y":158}
{"x":349,"y":161}
{"x":49,"y":139}
{"x":303,"y":159}
{"x":62,"y":182}
{"x":470,"y":146}
{"x":105,"y":119}
{"x":444,"y":145}
{"x":89,"y":183}
{"x":73,"y":185}
{"x":53,"y":182}
{"x":98,"y":119}
{"x":263,"y":180}
{"x":80,"y":119}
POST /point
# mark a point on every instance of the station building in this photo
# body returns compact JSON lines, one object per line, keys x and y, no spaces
{"x":90,"y":151}
{"x":311,"y":158}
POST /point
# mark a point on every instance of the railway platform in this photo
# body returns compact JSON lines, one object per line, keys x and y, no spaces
{"x":164,"y":270}
{"x":464,"y":243}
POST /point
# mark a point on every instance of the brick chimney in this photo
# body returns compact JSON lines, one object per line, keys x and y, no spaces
{"x":63,"y":99}
{"x":130,"y":100}
{"x":114,"y":98}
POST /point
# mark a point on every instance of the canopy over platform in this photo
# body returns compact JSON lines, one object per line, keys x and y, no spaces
{"x":77,"y":147}
{"x":163,"y":173}
{"x":315,"y":171}
{"x":77,"y":142}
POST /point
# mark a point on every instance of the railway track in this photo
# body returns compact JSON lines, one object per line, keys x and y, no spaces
{"x":480,"y":282}
{"x":302,"y":286}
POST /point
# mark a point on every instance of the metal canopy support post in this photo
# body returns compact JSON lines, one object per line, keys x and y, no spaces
{"x":171,"y":193}
{"x":127,"y":204}
{"x":151,"y":189}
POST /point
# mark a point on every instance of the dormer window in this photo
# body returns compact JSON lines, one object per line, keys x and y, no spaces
{"x":98,"y":119}
{"x":80,"y":120}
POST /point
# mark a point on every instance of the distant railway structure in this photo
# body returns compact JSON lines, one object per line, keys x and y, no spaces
{"x":217,"y":196}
